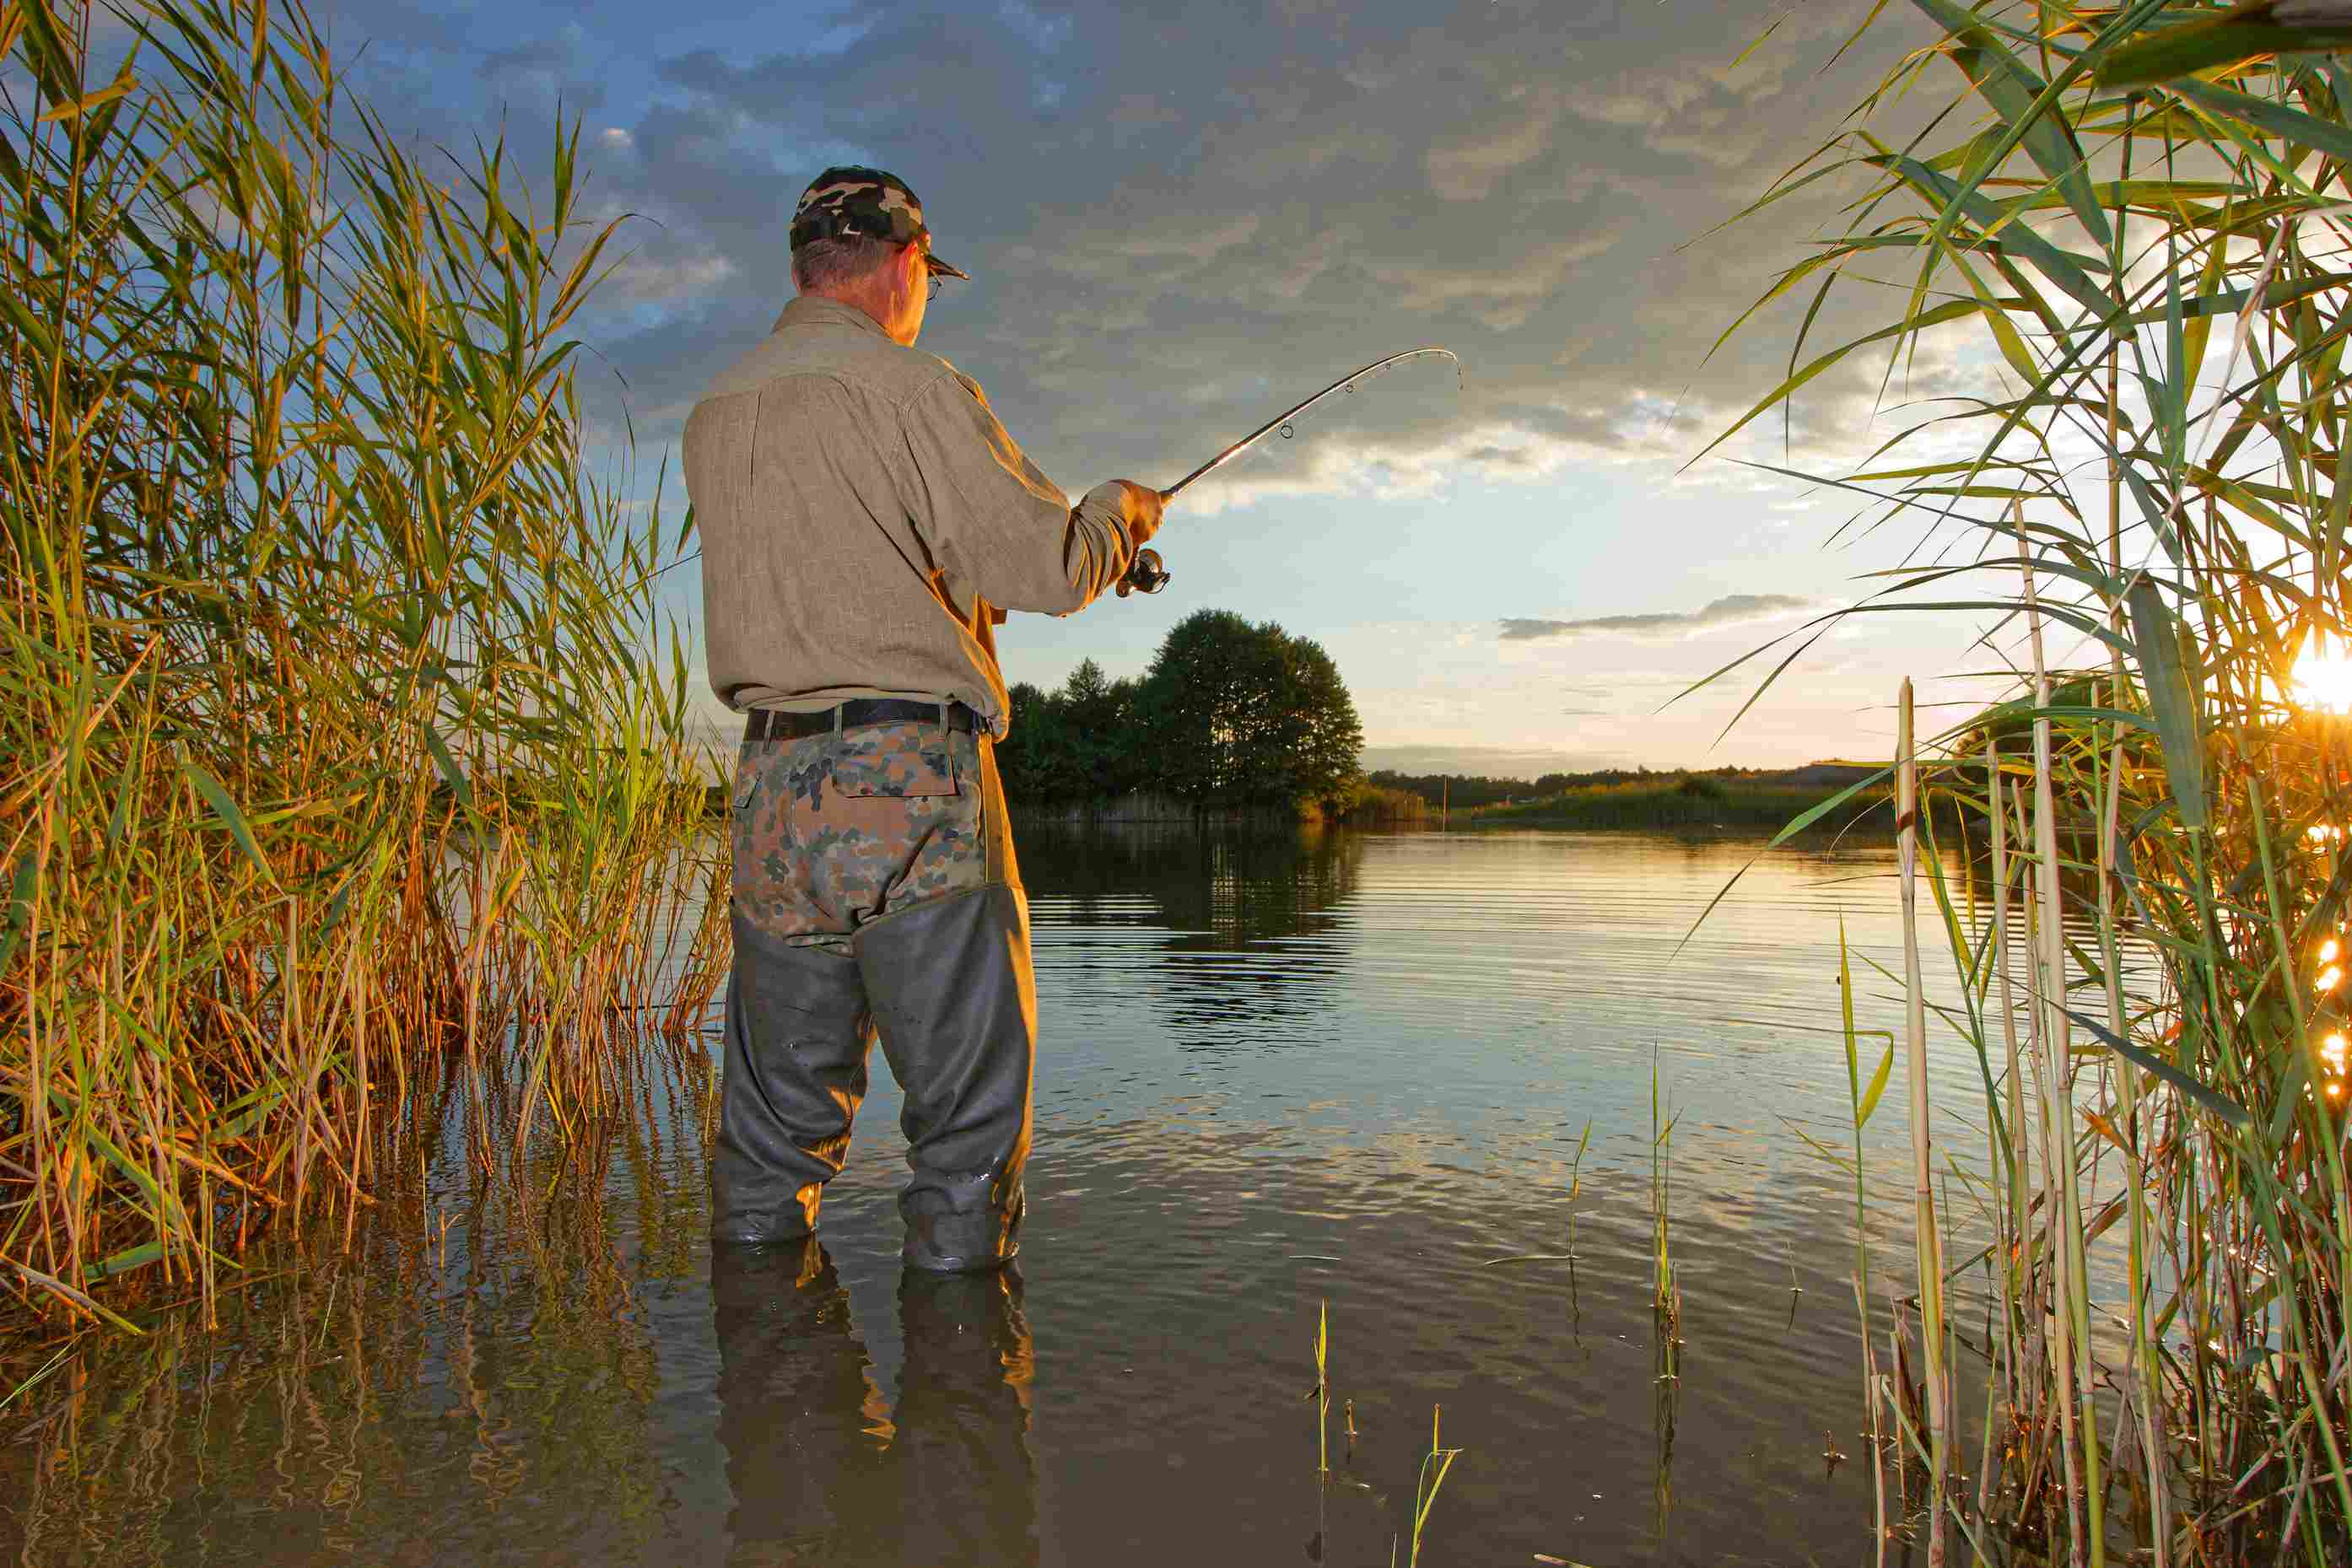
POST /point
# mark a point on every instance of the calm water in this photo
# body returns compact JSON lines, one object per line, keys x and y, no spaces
{"x":1273,"y":1074}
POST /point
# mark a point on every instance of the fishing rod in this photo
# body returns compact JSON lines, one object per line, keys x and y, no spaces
{"x":1145,"y":574}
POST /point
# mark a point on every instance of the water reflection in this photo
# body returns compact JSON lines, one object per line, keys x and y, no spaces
{"x":1275,"y":1072}
{"x":822,"y":1468}
{"x":1249,"y":947}
{"x":1222,"y":889}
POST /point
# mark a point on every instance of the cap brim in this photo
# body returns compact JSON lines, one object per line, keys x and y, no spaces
{"x":945,"y":269}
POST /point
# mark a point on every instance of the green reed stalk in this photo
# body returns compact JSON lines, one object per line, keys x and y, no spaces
{"x":1859,"y":1104}
{"x":2073,"y":1269}
{"x":1322,"y":1390}
{"x":1425,"y":1484}
{"x":1576,"y":1182}
{"x":1666,"y":1295}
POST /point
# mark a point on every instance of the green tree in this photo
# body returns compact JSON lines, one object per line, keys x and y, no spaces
{"x":1237,"y":715}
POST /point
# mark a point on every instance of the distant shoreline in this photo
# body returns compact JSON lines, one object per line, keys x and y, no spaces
{"x":1725,"y":800}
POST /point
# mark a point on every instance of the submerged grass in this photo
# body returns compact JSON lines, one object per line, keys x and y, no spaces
{"x":331,"y":737}
{"x":2162,"y":273}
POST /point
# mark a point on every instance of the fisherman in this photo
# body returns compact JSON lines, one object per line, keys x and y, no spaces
{"x":866,"y":524}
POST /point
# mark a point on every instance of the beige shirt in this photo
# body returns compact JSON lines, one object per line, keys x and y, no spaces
{"x":866,"y":521}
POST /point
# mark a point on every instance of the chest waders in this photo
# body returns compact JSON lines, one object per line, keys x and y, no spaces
{"x":875,"y":892}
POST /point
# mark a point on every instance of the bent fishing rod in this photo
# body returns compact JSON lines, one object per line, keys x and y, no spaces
{"x":1145,"y":574}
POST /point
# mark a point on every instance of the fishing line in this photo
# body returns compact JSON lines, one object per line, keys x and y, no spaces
{"x":1146,"y":574}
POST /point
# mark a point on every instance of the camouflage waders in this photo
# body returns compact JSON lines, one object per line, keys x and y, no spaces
{"x":874,"y":885}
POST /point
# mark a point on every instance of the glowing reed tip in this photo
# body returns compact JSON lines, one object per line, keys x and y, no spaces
{"x":2329,"y":950}
{"x":2335,"y":1051}
{"x":2329,"y":977}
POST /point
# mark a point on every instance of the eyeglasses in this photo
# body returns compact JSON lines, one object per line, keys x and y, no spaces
{"x":937,"y":279}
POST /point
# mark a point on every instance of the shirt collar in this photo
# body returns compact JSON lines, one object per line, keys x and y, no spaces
{"x":815,"y":310}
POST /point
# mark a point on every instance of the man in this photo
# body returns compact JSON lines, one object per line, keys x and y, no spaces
{"x":866,"y":524}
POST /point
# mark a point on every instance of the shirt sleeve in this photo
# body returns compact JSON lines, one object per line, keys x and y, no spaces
{"x":996,"y":525}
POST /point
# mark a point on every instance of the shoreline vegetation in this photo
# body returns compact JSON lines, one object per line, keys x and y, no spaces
{"x":1680,"y":800}
{"x":343,"y":753}
{"x":1748,"y":800}
{"x":2147,"y":905}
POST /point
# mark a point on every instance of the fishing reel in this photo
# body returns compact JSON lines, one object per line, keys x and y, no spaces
{"x":1144,"y":574}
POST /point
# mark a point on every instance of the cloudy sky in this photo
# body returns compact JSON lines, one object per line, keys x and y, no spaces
{"x":1182,"y":216}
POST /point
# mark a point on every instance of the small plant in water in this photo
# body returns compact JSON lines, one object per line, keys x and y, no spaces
{"x":1666,"y":1295}
{"x":1424,"y":1488}
{"x":1576,"y":1182}
{"x":1322,"y":1390}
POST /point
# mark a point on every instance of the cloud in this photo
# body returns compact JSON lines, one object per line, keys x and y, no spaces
{"x":1159,"y":267}
{"x":1732,"y":609}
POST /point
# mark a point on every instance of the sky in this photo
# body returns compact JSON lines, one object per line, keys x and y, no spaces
{"x":1180,"y":217}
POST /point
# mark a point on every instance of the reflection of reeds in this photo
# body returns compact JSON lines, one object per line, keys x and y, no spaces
{"x":2181,"y":330}
{"x":332,"y":732}
{"x":518,"y":1371}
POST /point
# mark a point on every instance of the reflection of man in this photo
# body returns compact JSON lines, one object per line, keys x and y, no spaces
{"x":817,"y":1463}
{"x":866,"y":523}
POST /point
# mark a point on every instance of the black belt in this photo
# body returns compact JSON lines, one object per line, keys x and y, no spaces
{"x":773,"y":724}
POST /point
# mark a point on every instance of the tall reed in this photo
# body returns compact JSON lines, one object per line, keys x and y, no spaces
{"x":2173,"y":498}
{"x":338,"y":723}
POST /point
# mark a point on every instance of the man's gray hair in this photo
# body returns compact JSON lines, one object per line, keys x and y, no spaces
{"x":838,"y":261}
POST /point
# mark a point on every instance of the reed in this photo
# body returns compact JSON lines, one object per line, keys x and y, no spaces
{"x":338,"y":727}
{"x":1434,"y":1465}
{"x":2156,"y":475}
{"x":1576,"y":1184}
{"x":1322,"y":1390}
{"x":1914,"y":1036}
{"x":1665,"y":1294}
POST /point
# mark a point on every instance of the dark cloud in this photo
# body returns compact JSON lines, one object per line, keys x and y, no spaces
{"x":1731,"y":610}
{"x":1178,"y":214}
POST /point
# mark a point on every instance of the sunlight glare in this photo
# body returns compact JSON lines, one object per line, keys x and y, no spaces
{"x":2323,"y":676}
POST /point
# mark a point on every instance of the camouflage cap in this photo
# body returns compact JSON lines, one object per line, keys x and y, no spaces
{"x":850,"y":201}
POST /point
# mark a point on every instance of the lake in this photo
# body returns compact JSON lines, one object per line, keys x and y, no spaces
{"x":1276,"y":1073}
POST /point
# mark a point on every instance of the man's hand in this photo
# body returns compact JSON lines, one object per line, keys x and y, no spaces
{"x":1142,"y":507}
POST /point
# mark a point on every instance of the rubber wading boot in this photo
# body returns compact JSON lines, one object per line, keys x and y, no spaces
{"x":950,"y":983}
{"x":798,"y":1033}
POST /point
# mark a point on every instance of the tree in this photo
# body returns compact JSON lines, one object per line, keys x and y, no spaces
{"x":1237,"y":715}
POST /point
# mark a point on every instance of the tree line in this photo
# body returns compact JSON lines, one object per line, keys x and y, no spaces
{"x":1229,"y":716}
{"x":1467,"y":790}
